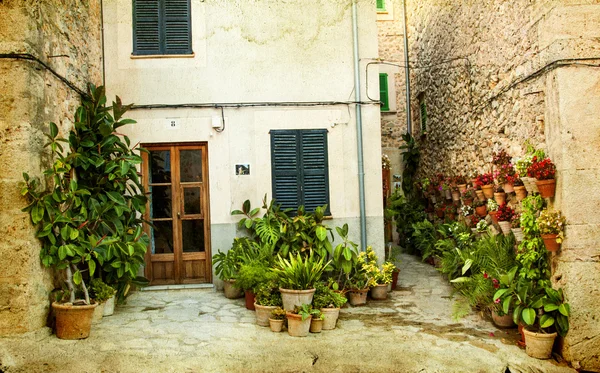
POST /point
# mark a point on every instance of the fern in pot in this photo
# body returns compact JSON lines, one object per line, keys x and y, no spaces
{"x":297,"y":277}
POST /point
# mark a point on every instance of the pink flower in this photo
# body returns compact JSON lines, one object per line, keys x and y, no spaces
{"x":497,"y":301}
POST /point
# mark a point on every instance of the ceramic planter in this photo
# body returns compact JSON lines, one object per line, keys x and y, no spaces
{"x":505,"y":226}
{"x":550,"y":242}
{"x":379,"y":292}
{"x":262,"y":314}
{"x":249,"y":298}
{"x":518,"y":232}
{"x":539,"y":345}
{"x":504,"y":322}
{"x":293,"y":298}
{"x":316,"y":325}
{"x":276,"y":325}
{"x":330,"y":316}
{"x":231,"y":292}
{"x":488,"y":191}
{"x":73,"y":322}
{"x":547,"y":188}
{"x":500,"y":198}
{"x":520,"y":192}
{"x":357,"y":297}
{"x":296,"y":326}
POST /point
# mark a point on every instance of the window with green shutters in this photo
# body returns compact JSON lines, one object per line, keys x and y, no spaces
{"x":381,"y":5}
{"x":299,"y":168}
{"x":162,"y":27}
{"x":384,"y":96}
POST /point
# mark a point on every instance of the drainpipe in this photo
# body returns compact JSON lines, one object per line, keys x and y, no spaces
{"x":359,"y":142}
{"x":406,"y":71}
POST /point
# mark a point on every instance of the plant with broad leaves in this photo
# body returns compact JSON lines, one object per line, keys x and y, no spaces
{"x":88,"y":214}
{"x":299,"y":273}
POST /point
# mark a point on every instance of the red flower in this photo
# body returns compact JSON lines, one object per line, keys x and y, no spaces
{"x":485,"y":275}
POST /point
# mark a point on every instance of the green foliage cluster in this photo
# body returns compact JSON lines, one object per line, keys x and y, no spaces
{"x":306,"y":310}
{"x":253,"y":274}
{"x":100,"y":291}
{"x":278,"y":314}
{"x":267,"y":294}
{"x":298,"y":273}
{"x":88,"y":215}
{"x":405,"y":213}
{"x":326,"y":297}
{"x":410,"y":159}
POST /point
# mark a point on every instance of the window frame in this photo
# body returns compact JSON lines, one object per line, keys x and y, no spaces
{"x":162,"y":50}
{"x":300,"y":170}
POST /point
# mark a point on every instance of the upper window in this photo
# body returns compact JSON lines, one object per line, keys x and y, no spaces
{"x":162,"y":27}
{"x":384,"y":94}
{"x":299,"y":168}
{"x":381,"y":5}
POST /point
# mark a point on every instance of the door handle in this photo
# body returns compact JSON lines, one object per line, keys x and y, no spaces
{"x":179,"y":215}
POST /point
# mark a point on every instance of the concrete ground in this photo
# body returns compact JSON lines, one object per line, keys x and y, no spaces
{"x":202,"y":331}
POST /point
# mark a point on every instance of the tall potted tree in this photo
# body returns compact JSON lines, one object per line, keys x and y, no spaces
{"x":88,"y":214}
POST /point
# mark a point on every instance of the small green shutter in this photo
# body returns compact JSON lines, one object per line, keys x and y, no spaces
{"x":381,"y":5}
{"x":162,"y":27}
{"x":315,"y":185}
{"x":177,"y":27}
{"x":423,"y":108}
{"x":383,"y":92}
{"x":146,"y":27}
{"x":285,"y":166}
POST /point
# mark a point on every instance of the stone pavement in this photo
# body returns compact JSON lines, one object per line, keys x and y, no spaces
{"x":202,"y":331}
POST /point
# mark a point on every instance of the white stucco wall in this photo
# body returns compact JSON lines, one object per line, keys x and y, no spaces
{"x":256,"y":51}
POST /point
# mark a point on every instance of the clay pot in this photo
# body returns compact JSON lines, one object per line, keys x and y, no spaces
{"x":293,"y":298}
{"x":500,"y":198}
{"x":539,"y":345}
{"x":505,"y":227}
{"x":395,"y":278}
{"x":439,"y":213}
{"x":467,"y":201}
{"x":521,"y":193}
{"x":296,"y":326}
{"x":547,"y":188}
{"x":448,"y":194}
{"x":508,"y":188}
{"x":231,"y":292}
{"x":480,"y":195}
{"x":330,"y":317}
{"x":73,"y":322}
{"x":249,"y":298}
{"x":357,"y":297}
{"x":481,"y":210}
{"x":550,"y":242}
{"x":276,"y":325}
{"x":518,"y":232}
{"x":379,"y":292}
{"x":455,"y":196}
{"x":462,"y":187}
{"x":492,"y":215}
{"x":488,"y":190}
{"x":316,"y":325}
{"x":262,"y":314}
{"x":504,"y":322}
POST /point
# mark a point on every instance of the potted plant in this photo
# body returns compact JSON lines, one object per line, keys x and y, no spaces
{"x":461,"y":183}
{"x":299,"y":319}
{"x":468,"y":196}
{"x":499,"y":195}
{"x":486,"y":182}
{"x":450,"y":213}
{"x":551,"y":225}
{"x":504,"y":216}
{"x":99,"y":169}
{"x":297,"y":278}
{"x":440,"y":209}
{"x":519,"y":187}
{"x":102,"y":293}
{"x":227,"y":266}
{"x":359,"y":280}
{"x":329,"y":303}
{"x":482,"y":226}
{"x":277,"y":319}
{"x":251,"y":275}
{"x":379,"y":278}
{"x":492,"y":208}
{"x":466,"y":211}
{"x":267,"y":298}
{"x":480,"y":208}
{"x":521,"y":165}
{"x":515,"y":225}
{"x":544,"y":172}
{"x":316,"y":323}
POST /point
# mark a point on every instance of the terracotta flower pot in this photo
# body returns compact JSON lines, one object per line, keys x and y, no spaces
{"x":539,"y":345}
{"x":480,"y":195}
{"x":395,"y":278}
{"x":508,"y":188}
{"x":231,"y":292}
{"x":547,"y":188}
{"x":276,"y":325}
{"x":493,"y":216}
{"x":505,"y":227}
{"x":462,"y":187}
{"x":505,"y":321}
{"x":293,"y":298}
{"x":330,"y":317}
{"x":379,"y":292}
{"x":455,"y":196}
{"x":500,"y":198}
{"x":316,"y":325}
{"x":298,"y":327}
{"x":249,"y":298}
{"x":488,"y":190}
{"x":357,"y":297}
{"x":550,"y":242}
{"x":73,"y":322}
{"x":481,"y":210}
{"x":467,"y":201}
{"x":262,"y":314}
{"x":521,"y":192}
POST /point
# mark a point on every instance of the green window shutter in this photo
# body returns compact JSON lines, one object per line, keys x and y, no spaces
{"x":423,"y":108}
{"x":177,"y":27}
{"x":146,"y":27}
{"x":381,"y":5}
{"x":315,"y":186}
{"x":162,"y":27}
{"x":299,"y":168}
{"x":383,"y":92}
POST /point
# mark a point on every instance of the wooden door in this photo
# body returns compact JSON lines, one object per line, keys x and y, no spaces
{"x":176,"y":180}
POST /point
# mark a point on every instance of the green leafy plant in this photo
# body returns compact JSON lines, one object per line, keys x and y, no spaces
{"x":405,"y":212}
{"x":88,"y":215}
{"x":411,"y":156}
{"x":551,"y":222}
{"x":278,"y":314}
{"x":344,"y":255}
{"x":532,"y":252}
{"x":253,"y":274}
{"x":306,"y":311}
{"x":266,"y":294}
{"x":326,"y":297}
{"x":299,"y":273}
{"x":100,"y":291}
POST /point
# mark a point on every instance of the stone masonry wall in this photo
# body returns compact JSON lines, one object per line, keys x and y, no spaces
{"x":497,"y":73}
{"x":67,"y":36}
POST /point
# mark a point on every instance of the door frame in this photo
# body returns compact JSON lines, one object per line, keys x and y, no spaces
{"x":176,"y":196}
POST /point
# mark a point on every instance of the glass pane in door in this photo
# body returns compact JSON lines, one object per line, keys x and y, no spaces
{"x":191,"y":201}
{"x":192,"y":235}
{"x":160,"y":205}
{"x":162,"y":237}
{"x":191,"y":165}
{"x":160,"y":166}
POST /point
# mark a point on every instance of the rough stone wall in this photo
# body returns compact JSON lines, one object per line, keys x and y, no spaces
{"x":496,"y":73}
{"x":66,"y":35}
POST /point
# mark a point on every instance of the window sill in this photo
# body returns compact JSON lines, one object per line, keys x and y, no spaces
{"x":147,"y":56}
{"x":382,"y":11}
{"x":328,"y":217}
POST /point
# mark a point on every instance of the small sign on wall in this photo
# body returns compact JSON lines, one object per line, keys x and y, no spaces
{"x":242,"y":169}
